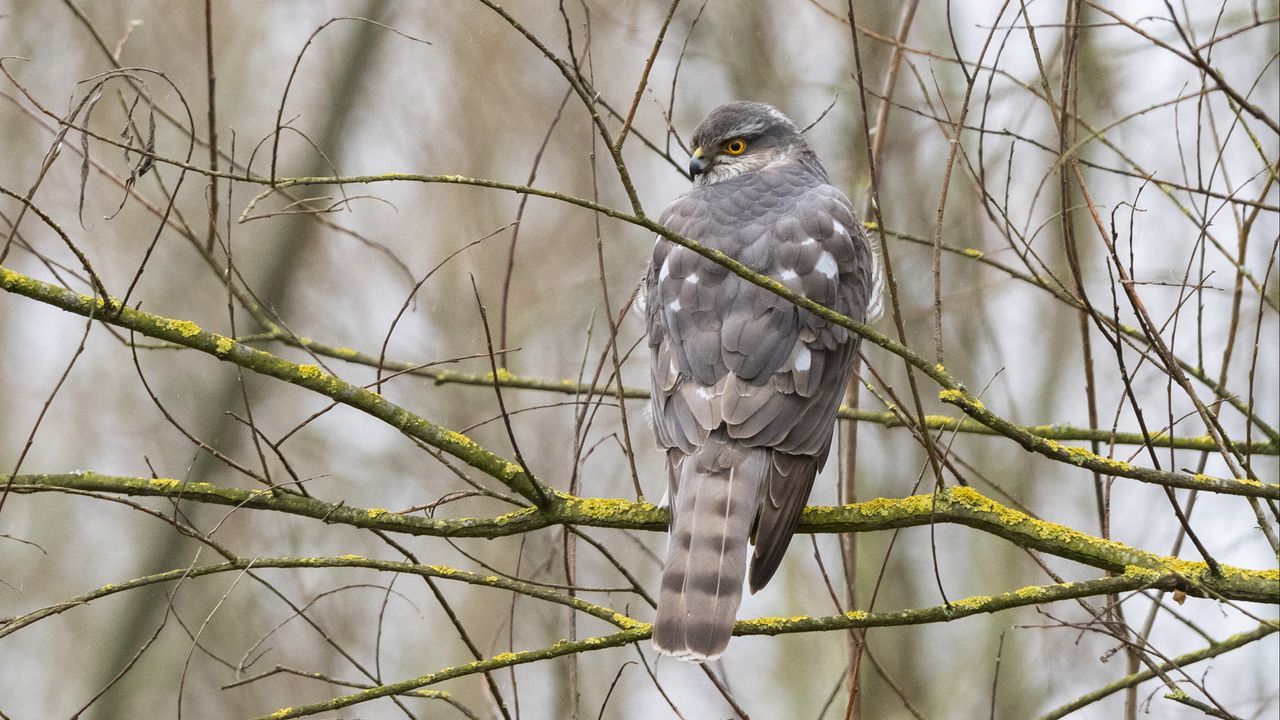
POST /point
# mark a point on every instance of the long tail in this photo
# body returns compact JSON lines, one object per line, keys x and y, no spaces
{"x":714,"y":496}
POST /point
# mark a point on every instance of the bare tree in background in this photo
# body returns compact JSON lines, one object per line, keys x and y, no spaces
{"x":320,"y":382}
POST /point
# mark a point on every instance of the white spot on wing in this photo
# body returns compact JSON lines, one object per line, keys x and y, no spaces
{"x":803,"y":359}
{"x":706,"y":392}
{"x":827,"y":264}
{"x":665,"y":270}
{"x":788,"y":275}
{"x":692,"y":279}
{"x":674,"y":305}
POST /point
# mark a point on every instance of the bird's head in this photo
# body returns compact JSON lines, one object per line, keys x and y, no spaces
{"x":740,"y":137}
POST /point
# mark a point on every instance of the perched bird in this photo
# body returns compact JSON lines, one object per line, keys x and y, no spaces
{"x":745,"y":384}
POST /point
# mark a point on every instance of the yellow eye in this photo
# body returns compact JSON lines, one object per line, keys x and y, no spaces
{"x":735,"y":147}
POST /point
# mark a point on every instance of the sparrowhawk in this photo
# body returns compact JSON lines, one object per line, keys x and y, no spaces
{"x":745,"y":384}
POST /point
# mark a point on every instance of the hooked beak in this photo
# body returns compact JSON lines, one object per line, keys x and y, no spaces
{"x":697,"y":165}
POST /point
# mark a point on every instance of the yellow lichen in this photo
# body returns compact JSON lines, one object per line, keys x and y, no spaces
{"x":223,"y":345}
{"x":281,"y":713}
{"x":504,"y":657}
{"x":1202,"y":478}
{"x":1189,"y":568}
{"x":310,"y":372}
{"x":1138,"y":572}
{"x":166,"y":483}
{"x":959,"y":397}
{"x":185,"y":328}
{"x":970,"y":252}
{"x":888,"y":507}
{"x":1080,"y":456}
{"x":458,"y":438}
{"x":972,"y":603}
{"x":601,"y":508}
{"x":627,"y":623}
{"x":1031,"y":591}
{"x":350,"y":558}
{"x":375,"y":513}
{"x":513,"y":515}
{"x":777,"y":624}
{"x":977,"y":502}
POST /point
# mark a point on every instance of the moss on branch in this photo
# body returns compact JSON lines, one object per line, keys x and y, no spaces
{"x":188,"y":334}
{"x":1182,"y":661}
{"x":519,"y":521}
{"x":885,"y":418}
{"x":1035,"y":595}
{"x":617,"y":619}
{"x":311,"y":377}
{"x":961,"y":506}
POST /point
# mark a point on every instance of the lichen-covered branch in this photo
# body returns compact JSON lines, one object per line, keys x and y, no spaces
{"x":886,"y":418}
{"x":953,"y":392}
{"x":946,"y":423}
{"x":443,"y":376}
{"x":1034,"y":595}
{"x":9,"y":626}
{"x":961,"y":506}
{"x":512,"y":523}
{"x":312,"y":377}
{"x":1238,"y":640}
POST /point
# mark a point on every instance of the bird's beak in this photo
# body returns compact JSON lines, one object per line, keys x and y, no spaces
{"x":697,"y":165}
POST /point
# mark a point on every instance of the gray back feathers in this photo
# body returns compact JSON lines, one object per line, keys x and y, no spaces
{"x":746,"y":385}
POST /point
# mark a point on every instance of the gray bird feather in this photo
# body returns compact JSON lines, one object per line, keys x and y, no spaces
{"x":745,"y":384}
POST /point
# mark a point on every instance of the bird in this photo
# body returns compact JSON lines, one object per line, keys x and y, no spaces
{"x":746,"y":385}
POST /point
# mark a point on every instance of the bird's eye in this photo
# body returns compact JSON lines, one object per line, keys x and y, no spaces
{"x":736,"y":146}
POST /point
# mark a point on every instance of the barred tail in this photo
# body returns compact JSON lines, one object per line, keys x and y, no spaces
{"x":714,"y":499}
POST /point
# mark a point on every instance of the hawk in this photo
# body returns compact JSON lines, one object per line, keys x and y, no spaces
{"x":745,"y":384}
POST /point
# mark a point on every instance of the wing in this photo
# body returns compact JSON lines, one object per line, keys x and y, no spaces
{"x":727,"y":351}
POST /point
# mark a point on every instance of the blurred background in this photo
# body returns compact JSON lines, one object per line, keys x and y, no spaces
{"x":454,"y":89}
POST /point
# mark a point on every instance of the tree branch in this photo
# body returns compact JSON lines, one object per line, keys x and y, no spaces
{"x":958,"y":505}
